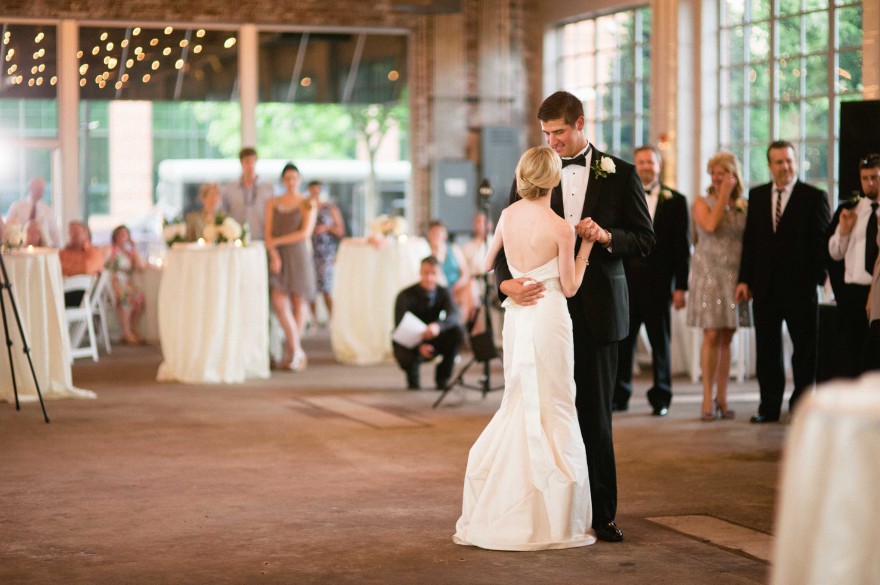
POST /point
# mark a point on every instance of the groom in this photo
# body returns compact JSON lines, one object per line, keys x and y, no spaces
{"x":602,"y":197}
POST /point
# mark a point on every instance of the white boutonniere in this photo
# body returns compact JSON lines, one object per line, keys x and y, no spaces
{"x":603,"y":167}
{"x":665,"y":193}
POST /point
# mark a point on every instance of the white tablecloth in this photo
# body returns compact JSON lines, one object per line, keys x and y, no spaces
{"x":39,"y":293}
{"x":213,"y":314}
{"x":366,"y":282}
{"x":828,"y":520}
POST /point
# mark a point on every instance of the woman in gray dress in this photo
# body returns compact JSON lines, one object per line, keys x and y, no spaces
{"x":289,"y":225}
{"x":719,"y":218}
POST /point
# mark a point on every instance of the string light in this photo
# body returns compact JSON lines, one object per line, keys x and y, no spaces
{"x":183,"y":43}
{"x":83,"y":69}
{"x":124,"y":43}
{"x":129,"y":64}
{"x":166,"y":51}
{"x":112,"y":63}
{"x":109,"y":46}
{"x":138,"y":50}
{"x":42,"y":67}
{"x":96,"y":50}
{"x":155,"y":65}
{"x":178,"y":64}
{"x":154,"y":42}
{"x":39,"y":37}
{"x":79,"y":54}
{"x":229,"y":43}
{"x":197,"y":49}
{"x":104,"y":36}
{"x":39,"y":81}
{"x":200,"y":33}
{"x":82,"y":82}
{"x":136,"y":31}
{"x":168,"y":30}
{"x":146,"y":78}
{"x":141,"y":56}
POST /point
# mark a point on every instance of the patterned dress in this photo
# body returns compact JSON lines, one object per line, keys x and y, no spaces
{"x":324,"y":249}
{"x":715,"y":272}
{"x":121,"y":266}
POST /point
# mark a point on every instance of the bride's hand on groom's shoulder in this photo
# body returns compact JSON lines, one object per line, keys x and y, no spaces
{"x":523,"y":290}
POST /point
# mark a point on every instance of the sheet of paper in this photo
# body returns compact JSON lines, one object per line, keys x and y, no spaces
{"x":408,"y":332}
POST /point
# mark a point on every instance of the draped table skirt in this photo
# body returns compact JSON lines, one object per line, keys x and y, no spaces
{"x":366,"y":282}
{"x":37,"y":284}
{"x":213,"y":314}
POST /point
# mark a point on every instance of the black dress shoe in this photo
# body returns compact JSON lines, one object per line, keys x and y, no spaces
{"x":608,"y":532}
{"x":619,"y":407}
{"x":760,"y":418}
{"x":660,"y":411}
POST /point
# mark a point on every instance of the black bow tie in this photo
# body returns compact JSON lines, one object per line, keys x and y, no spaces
{"x":580,"y":159}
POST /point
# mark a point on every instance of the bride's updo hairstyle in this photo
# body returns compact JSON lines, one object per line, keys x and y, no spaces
{"x":537,"y":172}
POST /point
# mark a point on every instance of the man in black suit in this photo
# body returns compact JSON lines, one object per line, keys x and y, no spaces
{"x":656,"y":283}
{"x":602,"y":197}
{"x":852,"y":245}
{"x":784,"y":248}
{"x":433,"y":305}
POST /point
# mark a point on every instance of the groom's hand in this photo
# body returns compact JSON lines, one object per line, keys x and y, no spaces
{"x":591,"y":231}
{"x":523,"y":290}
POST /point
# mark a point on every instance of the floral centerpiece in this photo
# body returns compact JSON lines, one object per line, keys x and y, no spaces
{"x":388,"y":225}
{"x":13,"y":236}
{"x":173,"y":231}
{"x":223,"y":229}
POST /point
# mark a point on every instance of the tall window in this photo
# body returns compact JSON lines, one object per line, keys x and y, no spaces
{"x":606,"y":61}
{"x":785,"y":67}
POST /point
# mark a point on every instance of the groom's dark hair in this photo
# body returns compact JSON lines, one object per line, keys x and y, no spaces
{"x":561,"y":106}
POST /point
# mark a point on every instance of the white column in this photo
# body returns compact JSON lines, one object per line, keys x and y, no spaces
{"x":131,"y":159}
{"x":66,"y":195}
{"x":248,"y":66}
{"x":870,"y":50}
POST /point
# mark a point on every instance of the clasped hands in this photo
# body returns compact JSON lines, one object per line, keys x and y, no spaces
{"x":524,"y":291}
{"x":431,"y":331}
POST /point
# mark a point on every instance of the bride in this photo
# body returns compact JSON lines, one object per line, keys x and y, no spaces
{"x":526,"y":486}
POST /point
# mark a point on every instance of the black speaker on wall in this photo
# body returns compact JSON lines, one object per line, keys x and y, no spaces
{"x":859,"y":135}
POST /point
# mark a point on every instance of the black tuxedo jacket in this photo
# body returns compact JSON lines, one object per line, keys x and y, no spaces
{"x":791,"y":261}
{"x":666,"y":267}
{"x":617,"y":203}
{"x":415,"y":299}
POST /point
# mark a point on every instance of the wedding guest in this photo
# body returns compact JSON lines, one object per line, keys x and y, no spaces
{"x":245,"y":198}
{"x":783,"y":262}
{"x":853,"y":241}
{"x":656,"y":283}
{"x":35,"y":236}
{"x":474,"y":253}
{"x":124,"y":260}
{"x":434,"y":306}
{"x":34,"y":209}
{"x":329,"y":229}
{"x":289,"y":224}
{"x":720,"y":219}
{"x":209,"y":196}
{"x":454,"y":273}
{"x":79,"y":256}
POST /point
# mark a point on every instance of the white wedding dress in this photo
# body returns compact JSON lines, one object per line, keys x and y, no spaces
{"x":526,"y":485}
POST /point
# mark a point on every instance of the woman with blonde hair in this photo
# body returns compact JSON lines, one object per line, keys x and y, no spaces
{"x":720,"y":219}
{"x":196,"y":221}
{"x":527,"y":485}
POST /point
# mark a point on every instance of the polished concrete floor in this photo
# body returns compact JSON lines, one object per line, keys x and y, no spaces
{"x":339,"y":475}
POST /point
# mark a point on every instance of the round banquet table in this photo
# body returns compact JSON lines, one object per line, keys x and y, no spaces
{"x":213,"y":314}
{"x":827,"y":518}
{"x":365,"y":285}
{"x":35,"y":276}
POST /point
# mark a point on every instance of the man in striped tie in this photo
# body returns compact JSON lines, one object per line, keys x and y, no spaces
{"x":783,"y":261}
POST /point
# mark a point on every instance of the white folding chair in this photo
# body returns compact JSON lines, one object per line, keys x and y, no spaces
{"x":80,"y":316}
{"x":102,"y":303}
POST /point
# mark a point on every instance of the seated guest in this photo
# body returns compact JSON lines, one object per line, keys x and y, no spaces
{"x":35,"y":209}
{"x":123,"y":262}
{"x":433,"y":305}
{"x":209,"y":196}
{"x":79,"y":256}
{"x":454,"y":272}
{"x":34,"y":235}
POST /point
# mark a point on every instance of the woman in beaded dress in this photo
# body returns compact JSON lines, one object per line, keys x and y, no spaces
{"x":329,"y":229}
{"x":289,"y":225}
{"x":719,"y":218}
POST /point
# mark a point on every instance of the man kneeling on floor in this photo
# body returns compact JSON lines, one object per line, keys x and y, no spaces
{"x":443,"y":334}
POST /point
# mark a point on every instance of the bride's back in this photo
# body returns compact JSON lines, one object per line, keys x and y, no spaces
{"x":531,"y":232}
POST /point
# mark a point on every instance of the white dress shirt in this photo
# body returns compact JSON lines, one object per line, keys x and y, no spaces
{"x":652,"y":196}
{"x":20,"y":213}
{"x":574,"y":187}
{"x":851,"y":248}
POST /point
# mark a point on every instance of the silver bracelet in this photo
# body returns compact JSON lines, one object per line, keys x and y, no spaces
{"x":582,"y":259}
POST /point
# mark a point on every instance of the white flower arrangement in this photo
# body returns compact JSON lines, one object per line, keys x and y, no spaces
{"x":173,"y":231}
{"x":14,"y":236}
{"x":223,"y":229}
{"x":603,"y":167}
{"x":386,"y":225}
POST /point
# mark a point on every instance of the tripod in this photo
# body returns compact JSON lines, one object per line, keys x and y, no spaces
{"x":483,"y":346}
{"x":4,"y":283}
